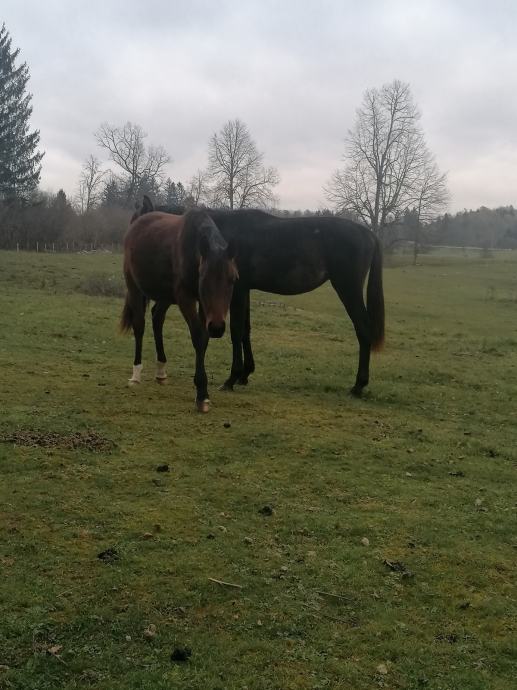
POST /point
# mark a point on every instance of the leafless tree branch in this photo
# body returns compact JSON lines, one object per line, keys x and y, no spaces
{"x":239,"y":178}
{"x":126,"y":148}
{"x":89,"y":188}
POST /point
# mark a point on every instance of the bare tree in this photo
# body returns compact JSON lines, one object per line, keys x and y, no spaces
{"x":198,"y":190}
{"x":388,"y":167}
{"x":431,"y":198}
{"x":236,"y":168}
{"x":431,"y":192}
{"x":90,"y":191}
{"x":140,"y":166}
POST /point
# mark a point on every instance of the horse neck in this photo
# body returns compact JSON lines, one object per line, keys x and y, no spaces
{"x":189,"y":248}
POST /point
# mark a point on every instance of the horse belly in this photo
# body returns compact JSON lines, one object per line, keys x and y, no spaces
{"x":290,"y":278}
{"x":158,"y":291}
{"x":155,"y":279}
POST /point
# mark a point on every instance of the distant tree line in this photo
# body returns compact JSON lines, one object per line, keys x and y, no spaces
{"x":487,"y":228}
{"x":50,"y":221}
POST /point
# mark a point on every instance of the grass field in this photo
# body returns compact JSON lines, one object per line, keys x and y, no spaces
{"x":388,"y":559}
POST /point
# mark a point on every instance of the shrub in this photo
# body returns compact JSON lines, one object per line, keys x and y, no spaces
{"x":101,"y":285}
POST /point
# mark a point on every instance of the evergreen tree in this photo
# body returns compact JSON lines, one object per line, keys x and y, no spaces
{"x":181,"y":193}
{"x":19,"y":159}
{"x":62,"y":216}
{"x":170,"y":193}
{"x":174,"y":193}
{"x":112,"y":194}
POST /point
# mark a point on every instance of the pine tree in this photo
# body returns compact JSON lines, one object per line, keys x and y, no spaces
{"x":170,"y":193}
{"x":181,"y":193}
{"x":19,"y":158}
{"x":112,"y":194}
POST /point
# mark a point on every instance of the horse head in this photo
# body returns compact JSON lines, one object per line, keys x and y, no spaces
{"x":217,"y":276}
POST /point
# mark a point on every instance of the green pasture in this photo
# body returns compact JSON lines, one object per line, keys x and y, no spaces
{"x":364,"y":543}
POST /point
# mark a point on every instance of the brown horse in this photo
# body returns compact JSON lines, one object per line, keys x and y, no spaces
{"x":181,"y":260}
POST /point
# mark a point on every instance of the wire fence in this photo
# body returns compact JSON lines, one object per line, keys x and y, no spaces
{"x":64,"y":247}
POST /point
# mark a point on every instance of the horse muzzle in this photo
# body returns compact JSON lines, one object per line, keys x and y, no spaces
{"x":216,"y":330}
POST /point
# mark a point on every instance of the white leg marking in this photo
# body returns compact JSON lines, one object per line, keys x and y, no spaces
{"x":161,"y":374}
{"x":203,"y":405}
{"x":137,"y":375}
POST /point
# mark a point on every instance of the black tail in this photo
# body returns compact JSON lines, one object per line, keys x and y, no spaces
{"x":126,"y":319}
{"x":375,"y":298}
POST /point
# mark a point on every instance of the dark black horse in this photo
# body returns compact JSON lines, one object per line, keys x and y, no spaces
{"x":289,"y":256}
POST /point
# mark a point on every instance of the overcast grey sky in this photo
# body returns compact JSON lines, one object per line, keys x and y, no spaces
{"x":293,"y":71}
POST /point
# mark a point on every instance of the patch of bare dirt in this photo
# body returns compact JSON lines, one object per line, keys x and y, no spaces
{"x":77,"y":440}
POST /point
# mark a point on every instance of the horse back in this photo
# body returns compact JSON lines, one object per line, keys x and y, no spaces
{"x":348,"y":246}
{"x":295,"y":255}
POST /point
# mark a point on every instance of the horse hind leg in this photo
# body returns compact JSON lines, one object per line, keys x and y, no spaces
{"x":351,"y":295}
{"x":237,"y":332}
{"x":249,"y":362}
{"x":138,"y":305}
{"x":158,"y":312}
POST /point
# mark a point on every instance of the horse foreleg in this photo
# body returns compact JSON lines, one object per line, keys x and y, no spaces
{"x":249,"y":362}
{"x":199,"y":337}
{"x":158,"y":313}
{"x":237,"y":329}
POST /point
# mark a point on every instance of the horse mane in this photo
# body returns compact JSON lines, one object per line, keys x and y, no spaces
{"x":175,"y":209}
{"x":147,"y":206}
{"x":198,"y":228}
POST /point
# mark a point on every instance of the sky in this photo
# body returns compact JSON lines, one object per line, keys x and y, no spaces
{"x":294,"y":71}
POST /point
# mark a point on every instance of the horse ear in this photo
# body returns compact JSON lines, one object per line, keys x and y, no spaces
{"x":231,"y":250}
{"x":147,"y":204}
{"x":204,"y":246}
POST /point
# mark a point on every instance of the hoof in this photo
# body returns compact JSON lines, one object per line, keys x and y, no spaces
{"x":132,"y":383}
{"x":243,"y":381}
{"x":226,"y":386}
{"x":356,"y":392}
{"x":203,"y":405}
{"x":162,"y":380}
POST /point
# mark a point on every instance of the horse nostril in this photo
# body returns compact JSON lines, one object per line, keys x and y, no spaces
{"x":216,"y":330}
